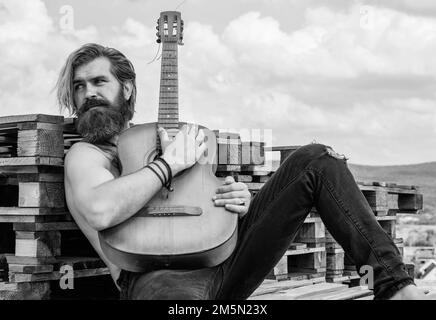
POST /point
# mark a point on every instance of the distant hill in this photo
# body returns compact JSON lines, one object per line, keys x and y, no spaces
{"x":422,"y":175}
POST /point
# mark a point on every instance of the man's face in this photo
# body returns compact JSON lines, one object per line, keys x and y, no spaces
{"x":102,"y":109}
{"x":94,"y":80}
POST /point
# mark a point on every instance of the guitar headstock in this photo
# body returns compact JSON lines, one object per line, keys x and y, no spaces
{"x":170,"y":27}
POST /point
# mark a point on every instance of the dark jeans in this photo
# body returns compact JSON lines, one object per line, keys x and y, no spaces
{"x":312,"y":176}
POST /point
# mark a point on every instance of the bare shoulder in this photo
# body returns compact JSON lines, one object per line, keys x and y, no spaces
{"x":85,"y":161}
{"x":85,"y":154}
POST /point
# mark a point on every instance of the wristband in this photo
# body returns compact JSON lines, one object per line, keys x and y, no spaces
{"x":170,"y":174}
{"x":160,"y":178}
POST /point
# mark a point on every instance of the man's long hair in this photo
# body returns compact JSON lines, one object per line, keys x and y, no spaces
{"x":121,"y":68}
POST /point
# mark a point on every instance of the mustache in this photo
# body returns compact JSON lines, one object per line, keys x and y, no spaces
{"x":91,"y":103}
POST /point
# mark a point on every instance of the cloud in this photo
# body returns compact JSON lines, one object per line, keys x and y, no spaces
{"x":360,"y":78}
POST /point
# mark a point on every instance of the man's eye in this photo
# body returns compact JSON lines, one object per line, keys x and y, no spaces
{"x":100,"y":81}
{"x":78,"y":86}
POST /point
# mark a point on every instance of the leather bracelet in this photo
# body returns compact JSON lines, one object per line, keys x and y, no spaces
{"x":160,"y":169}
{"x":170,"y":174}
{"x":160,"y":178}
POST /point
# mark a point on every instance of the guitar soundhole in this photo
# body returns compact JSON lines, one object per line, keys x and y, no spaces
{"x":150,"y":157}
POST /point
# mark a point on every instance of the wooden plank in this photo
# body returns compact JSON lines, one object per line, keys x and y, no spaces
{"x":275,"y":286}
{"x":40,"y":177}
{"x":23,"y":268}
{"x":41,"y":244}
{"x":40,"y":126}
{"x":17,"y":211}
{"x":311,"y":232}
{"x":40,"y":142}
{"x":56,"y":275}
{"x":25,"y":291}
{"x":304,"y":251}
{"x":41,"y":194}
{"x":301,"y":293}
{"x":12,"y":259}
{"x":343,"y":294}
{"x":30,"y":161}
{"x":298,"y":246}
{"x":49,"y":226}
{"x":31,"y":118}
{"x":30,"y":219}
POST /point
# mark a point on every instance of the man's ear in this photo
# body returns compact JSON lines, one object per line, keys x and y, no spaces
{"x":127,"y":89}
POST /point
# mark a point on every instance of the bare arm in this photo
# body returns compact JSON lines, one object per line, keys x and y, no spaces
{"x":104,"y":200}
{"x":95,"y":193}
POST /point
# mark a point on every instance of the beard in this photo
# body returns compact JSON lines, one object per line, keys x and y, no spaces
{"x":98,"y":120}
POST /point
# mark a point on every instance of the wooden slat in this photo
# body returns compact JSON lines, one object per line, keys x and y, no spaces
{"x":49,"y":226}
{"x":41,"y":194}
{"x":56,"y":275}
{"x":275,"y":286}
{"x":30,"y":161}
{"x":31,"y":118}
{"x":40,"y":142}
{"x":23,"y":268}
{"x":16,"y":211}
{"x":301,"y":293}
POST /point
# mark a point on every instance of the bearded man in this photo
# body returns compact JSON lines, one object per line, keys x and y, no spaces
{"x":98,"y":84}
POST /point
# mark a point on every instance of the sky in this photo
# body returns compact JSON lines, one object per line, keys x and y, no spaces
{"x":359,"y":76}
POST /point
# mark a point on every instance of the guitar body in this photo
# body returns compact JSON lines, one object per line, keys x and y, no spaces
{"x":179,"y":229}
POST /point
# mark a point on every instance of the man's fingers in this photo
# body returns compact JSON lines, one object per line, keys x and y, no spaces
{"x":229,"y":180}
{"x":235,"y":201}
{"x":241,"y":210}
{"x":200,"y":136}
{"x":231,"y":194}
{"x":231,"y":187}
{"x":163,"y":134}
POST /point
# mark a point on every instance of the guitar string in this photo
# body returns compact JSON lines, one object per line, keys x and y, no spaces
{"x":157,"y":53}
{"x":180,"y":4}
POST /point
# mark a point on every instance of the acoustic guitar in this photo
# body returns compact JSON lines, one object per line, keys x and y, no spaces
{"x":182,"y":228}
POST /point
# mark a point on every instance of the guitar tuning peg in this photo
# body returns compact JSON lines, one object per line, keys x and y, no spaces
{"x":158,"y":41}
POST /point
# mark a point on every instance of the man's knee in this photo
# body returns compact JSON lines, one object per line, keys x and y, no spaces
{"x":310,"y":153}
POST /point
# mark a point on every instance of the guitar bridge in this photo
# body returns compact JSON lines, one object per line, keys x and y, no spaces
{"x":172,"y":211}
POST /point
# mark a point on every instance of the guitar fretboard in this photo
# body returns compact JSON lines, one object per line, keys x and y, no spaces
{"x":168,"y":114}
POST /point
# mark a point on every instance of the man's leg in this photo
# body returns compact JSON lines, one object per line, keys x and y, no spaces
{"x":311,"y":176}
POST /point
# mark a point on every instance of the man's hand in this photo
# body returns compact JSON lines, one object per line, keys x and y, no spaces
{"x":234,"y":196}
{"x":185,"y":149}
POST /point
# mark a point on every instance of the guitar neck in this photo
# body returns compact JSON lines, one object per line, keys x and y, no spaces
{"x":168,"y":114}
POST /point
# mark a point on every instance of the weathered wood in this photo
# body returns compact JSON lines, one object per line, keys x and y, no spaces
{"x":49,"y":226}
{"x":40,"y":177}
{"x":30,"y":219}
{"x":17,"y":211}
{"x":312,"y":232}
{"x":29,"y":161}
{"x":56,"y":275}
{"x":31,"y":118}
{"x":276,"y":286}
{"x":38,"y":244}
{"x":40,"y":142}
{"x":25,"y":291}
{"x":12,"y":259}
{"x":301,"y":293}
{"x":41,"y":194}
{"x":31,"y":269}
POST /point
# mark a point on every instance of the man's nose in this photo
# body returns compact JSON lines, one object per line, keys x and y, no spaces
{"x":91,"y":92}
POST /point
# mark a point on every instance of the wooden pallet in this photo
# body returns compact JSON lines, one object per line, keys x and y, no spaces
{"x":390,"y":198}
{"x":34,"y":135}
{"x":318,"y":291}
